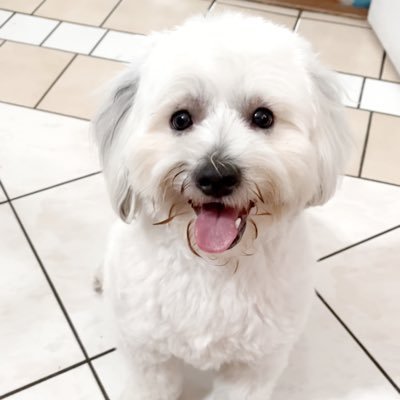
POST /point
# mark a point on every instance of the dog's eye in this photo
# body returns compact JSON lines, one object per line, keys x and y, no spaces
{"x":263,"y":118}
{"x":181,"y":120}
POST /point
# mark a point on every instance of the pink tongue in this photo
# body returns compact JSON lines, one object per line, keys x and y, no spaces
{"x":215,"y":228}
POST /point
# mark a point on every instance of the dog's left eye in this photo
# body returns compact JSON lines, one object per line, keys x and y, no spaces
{"x":181,"y":120}
{"x":263,"y":118}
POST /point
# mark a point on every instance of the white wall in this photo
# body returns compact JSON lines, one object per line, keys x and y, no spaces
{"x":384,"y":17}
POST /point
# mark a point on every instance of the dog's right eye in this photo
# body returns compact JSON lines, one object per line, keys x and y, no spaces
{"x":181,"y":120}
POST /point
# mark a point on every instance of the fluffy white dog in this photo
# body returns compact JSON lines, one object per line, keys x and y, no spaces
{"x":213,"y":143}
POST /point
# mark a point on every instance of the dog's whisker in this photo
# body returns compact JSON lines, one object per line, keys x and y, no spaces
{"x":237,"y":266}
{"x":170,"y":210}
{"x":169,"y":219}
{"x":180,"y":165}
{"x":189,"y":240}
{"x":259,"y":194}
{"x":177,"y":174}
{"x":184,"y":186}
{"x":255,"y":229}
{"x":214,"y":164}
{"x":170,"y":216}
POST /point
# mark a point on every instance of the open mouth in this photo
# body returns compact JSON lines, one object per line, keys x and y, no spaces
{"x":218,"y":227}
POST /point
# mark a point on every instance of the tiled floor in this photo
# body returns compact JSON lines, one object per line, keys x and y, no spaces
{"x":55,"y":55}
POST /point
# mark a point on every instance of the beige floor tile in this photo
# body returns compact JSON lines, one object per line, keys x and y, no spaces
{"x":280,"y":19}
{"x":344,"y":48}
{"x":143,"y":17}
{"x":260,"y":6}
{"x":76,"y":93}
{"x":40,"y":149}
{"x":335,"y":18}
{"x":389,"y":72}
{"x":359,"y":209}
{"x":26,"y":6}
{"x":35,"y":339}
{"x":26,"y":71}
{"x":92,"y":12}
{"x":69,"y":226}
{"x":358,"y":122}
{"x":382,"y":160}
{"x":361,"y":285}
{"x":325,"y":364}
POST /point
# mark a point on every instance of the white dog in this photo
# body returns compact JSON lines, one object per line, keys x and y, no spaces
{"x":213,"y":143}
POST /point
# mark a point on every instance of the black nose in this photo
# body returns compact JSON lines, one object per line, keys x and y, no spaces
{"x":217,"y":178}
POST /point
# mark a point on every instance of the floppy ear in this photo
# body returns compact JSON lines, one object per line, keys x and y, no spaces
{"x":330,"y":133}
{"x":107,"y":126}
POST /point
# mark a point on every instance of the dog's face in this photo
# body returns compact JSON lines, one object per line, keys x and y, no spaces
{"x":223,"y":126}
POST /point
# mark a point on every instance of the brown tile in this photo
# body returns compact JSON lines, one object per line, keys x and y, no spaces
{"x":280,"y":19}
{"x":260,"y":6}
{"x":26,"y":6}
{"x":335,"y":18}
{"x":92,"y":12}
{"x":77,"y":91}
{"x":382,"y":161}
{"x":389,"y":72}
{"x":26,"y":71}
{"x":344,"y":48}
{"x":358,"y":122}
{"x":143,"y":17}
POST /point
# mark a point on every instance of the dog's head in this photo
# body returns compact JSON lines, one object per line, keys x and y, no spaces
{"x":222,"y":125}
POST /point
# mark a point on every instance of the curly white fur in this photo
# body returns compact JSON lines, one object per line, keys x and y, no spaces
{"x":238,"y":312}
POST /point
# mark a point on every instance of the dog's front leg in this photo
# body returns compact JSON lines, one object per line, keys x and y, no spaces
{"x":154,"y":380}
{"x":250,"y":382}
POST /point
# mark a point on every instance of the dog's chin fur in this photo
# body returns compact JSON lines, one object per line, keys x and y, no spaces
{"x":238,"y":311}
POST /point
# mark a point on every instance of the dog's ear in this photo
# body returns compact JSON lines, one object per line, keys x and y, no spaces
{"x":330,"y":133}
{"x":108,"y":127}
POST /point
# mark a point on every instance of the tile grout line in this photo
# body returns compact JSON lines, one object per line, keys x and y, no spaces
{"x":110,"y":13}
{"x":338,"y":23}
{"x":365,"y":145}
{"x":71,"y":52}
{"x":354,"y":337}
{"x":256,"y":9}
{"x":56,"y":185}
{"x":285,"y":6}
{"x":99,"y":41}
{"x":49,"y":34}
{"x":210,"y":6}
{"x":71,"y":22}
{"x":53,"y":375}
{"x":55,"y":81}
{"x":56,"y":295}
{"x":379,"y":112}
{"x":141,"y":34}
{"x":377,"y":181}
{"x":44,"y":111}
{"x":41,"y":380}
{"x":7,"y":19}
{"x":382,"y":65}
{"x":297,"y":23}
{"x":361,"y":93}
{"x":359,"y":243}
{"x":37,"y":8}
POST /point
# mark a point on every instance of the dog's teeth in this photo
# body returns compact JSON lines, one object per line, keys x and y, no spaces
{"x":237,"y":222}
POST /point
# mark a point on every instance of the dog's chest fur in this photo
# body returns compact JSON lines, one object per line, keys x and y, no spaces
{"x":205,"y":314}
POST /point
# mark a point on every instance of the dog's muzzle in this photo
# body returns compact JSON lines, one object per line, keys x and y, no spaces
{"x":218,"y":227}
